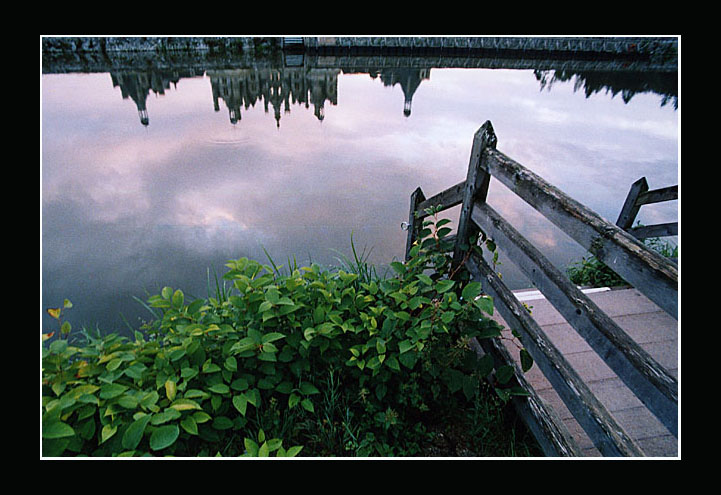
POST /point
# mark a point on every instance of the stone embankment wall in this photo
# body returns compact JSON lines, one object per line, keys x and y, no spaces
{"x":595,"y":44}
{"x":69,"y":54}
{"x":154,"y":44}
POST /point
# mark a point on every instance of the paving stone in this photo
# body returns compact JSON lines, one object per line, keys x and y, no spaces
{"x":652,"y":328}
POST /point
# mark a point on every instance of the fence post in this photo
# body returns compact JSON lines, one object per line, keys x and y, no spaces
{"x":475,"y":189}
{"x":414,"y":223}
{"x":630,"y":208}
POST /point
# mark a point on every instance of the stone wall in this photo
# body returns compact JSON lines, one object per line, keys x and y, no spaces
{"x":157,"y":44}
{"x":69,"y":54}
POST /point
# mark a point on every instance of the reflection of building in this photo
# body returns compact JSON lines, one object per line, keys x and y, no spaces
{"x":627,"y":83}
{"x":275,"y":87}
{"x":408,"y":78}
{"x":137,"y":86}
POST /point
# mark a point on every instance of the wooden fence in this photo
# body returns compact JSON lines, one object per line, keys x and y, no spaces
{"x":649,"y":272}
{"x":638,"y":196}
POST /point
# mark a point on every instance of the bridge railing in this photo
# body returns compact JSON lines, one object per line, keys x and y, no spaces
{"x":648,"y":271}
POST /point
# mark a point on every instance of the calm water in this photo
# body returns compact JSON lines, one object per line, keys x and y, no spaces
{"x":153,"y":179}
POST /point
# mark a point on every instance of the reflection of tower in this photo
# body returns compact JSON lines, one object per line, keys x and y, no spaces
{"x":409,"y":79}
{"x":134,"y":86}
{"x":323,"y":86}
{"x":276,"y":87}
{"x":137,"y":86}
{"x":228,"y":85}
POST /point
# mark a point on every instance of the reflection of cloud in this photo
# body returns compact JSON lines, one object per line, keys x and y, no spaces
{"x":127,"y":207}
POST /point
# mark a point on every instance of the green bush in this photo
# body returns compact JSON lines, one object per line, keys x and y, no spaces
{"x":312,"y":362}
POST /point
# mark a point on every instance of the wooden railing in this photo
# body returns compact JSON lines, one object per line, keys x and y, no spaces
{"x":648,"y":271}
{"x":638,"y":196}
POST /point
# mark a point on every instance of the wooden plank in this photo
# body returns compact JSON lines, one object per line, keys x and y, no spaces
{"x":658,"y":230}
{"x":648,"y":271}
{"x":648,"y":380}
{"x":448,"y":198}
{"x":658,"y":195}
{"x":545,"y":424}
{"x":414,"y":223}
{"x":630,"y":206}
{"x":606,"y":434}
{"x":475,"y":189}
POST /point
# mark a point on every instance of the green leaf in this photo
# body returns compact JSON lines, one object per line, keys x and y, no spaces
{"x":307,"y":405}
{"x":526,"y":360}
{"x":57,"y":429}
{"x":293,"y":451}
{"x":271,"y":337}
{"x":471,"y":291}
{"x":111,"y":390}
{"x":134,"y":433}
{"x":165,"y":416}
{"x":484,"y":365}
{"x":178,"y":299}
{"x":444,"y":285}
{"x":240,"y":402}
{"x":219,"y":388}
{"x":408,"y":359}
{"x":251,"y":447}
{"x":392,"y":363}
{"x":504,"y":373}
{"x":210,"y":367}
{"x":307,"y":388}
{"x":167,"y":292}
{"x":201,"y":417}
{"x":222,"y":423}
{"x":268,"y":357}
{"x":485,"y":304}
{"x":404,"y":345}
{"x":189,"y":424}
{"x":149,"y":399}
{"x":239,"y":384}
{"x":264,"y":450}
{"x":503,"y":393}
{"x":107,"y":432}
{"x":164,"y":437}
{"x":231,"y":364}
{"x":425,"y":279}
{"x":398,"y":267}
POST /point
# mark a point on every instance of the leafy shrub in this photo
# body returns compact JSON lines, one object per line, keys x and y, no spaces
{"x":593,"y":272}
{"x":341,"y":363}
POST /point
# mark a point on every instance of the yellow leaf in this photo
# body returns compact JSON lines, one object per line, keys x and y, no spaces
{"x":185,"y":405}
{"x":170,"y":389}
{"x":54,"y":312}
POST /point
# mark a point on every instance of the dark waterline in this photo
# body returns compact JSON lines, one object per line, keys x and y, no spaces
{"x":154,"y":178}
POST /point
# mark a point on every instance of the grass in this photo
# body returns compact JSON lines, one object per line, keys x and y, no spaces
{"x":592,"y":272}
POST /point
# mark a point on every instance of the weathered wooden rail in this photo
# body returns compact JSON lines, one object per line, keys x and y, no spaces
{"x":638,"y":196}
{"x":653,"y":275}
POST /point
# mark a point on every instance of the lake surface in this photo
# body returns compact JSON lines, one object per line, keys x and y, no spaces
{"x":155,"y":178}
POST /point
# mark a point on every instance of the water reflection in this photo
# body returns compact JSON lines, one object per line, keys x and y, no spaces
{"x":281,"y":87}
{"x":128,"y":208}
{"x":664,"y":84}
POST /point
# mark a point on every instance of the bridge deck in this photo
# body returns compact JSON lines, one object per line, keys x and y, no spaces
{"x":653,"y":329}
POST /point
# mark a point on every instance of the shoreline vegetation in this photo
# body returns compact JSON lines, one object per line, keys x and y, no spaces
{"x":294,"y":361}
{"x":591,"y":272}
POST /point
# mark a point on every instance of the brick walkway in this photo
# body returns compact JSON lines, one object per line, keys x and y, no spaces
{"x":653,"y":329}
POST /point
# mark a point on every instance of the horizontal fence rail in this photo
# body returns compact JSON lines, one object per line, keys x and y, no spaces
{"x":638,"y":196}
{"x":649,"y":272}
